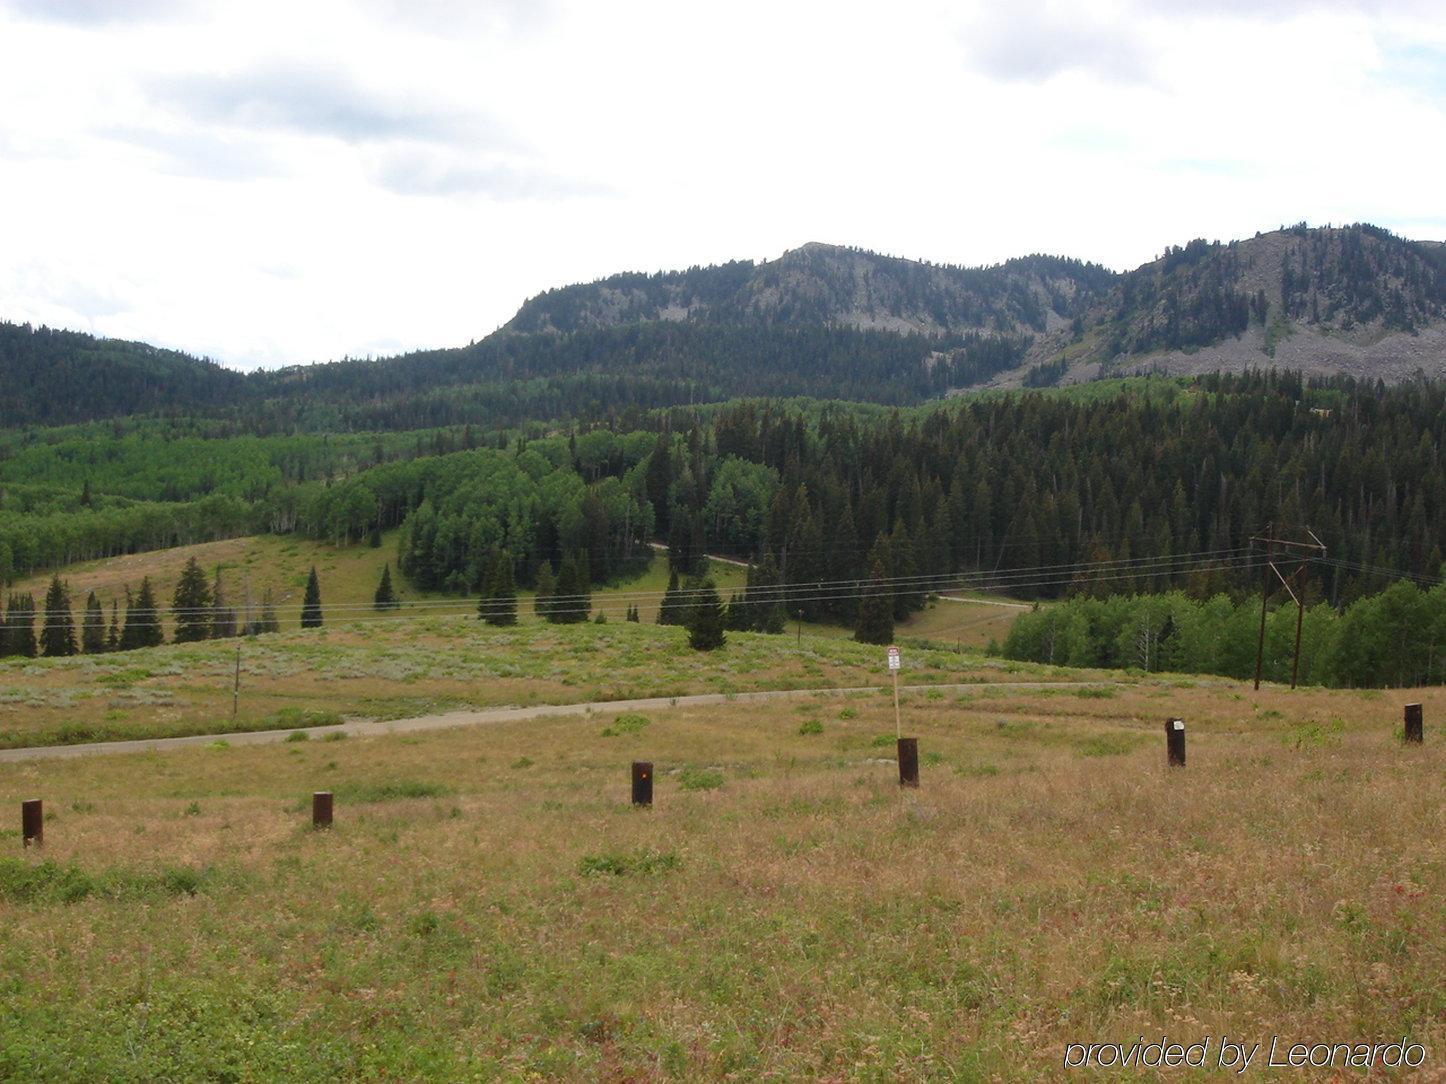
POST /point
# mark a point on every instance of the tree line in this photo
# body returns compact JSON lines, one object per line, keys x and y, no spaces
{"x":199,"y":610}
{"x":1395,"y":638}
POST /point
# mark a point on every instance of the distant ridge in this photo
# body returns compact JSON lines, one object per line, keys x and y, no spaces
{"x":821,"y":320}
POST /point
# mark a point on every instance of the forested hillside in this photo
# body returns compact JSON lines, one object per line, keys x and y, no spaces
{"x":831,"y":285}
{"x":1146,"y":489}
{"x":820,"y":321}
{"x":50,"y":377}
{"x":1354,"y":298}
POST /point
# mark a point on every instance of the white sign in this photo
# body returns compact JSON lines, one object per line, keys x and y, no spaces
{"x":894,"y":658}
{"x":1179,"y":724}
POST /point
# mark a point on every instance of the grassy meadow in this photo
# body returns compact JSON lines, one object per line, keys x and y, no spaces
{"x":349,"y":576}
{"x":397,"y":667}
{"x":489,"y":906}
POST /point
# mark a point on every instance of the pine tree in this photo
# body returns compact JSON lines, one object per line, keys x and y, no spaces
{"x":633,"y":615}
{"x":147,"y":617}
{"x":311,"y":617}
{"x":268,"y":621}
{"x":876,"y":608}
{"x":5,"y":619}
{"x":573,"y":601}
{"x":736,"y":617}
{"x":191,"y":605}
{"x":57,"y":631}
{"x":20,"y":616}
{"x":92,"y":629}
{"x":374,"y":536}
{"x":546,"y":588}
{"x":705,"y":620}
{"x":670,"y":610}
{"x":385,"y":598}
{"x":658,"y":481}
{"x":499,"y":605}
{"x":223,"y":618}
{"x":112,"y":636}
{"x":764,"y":597}
{"x":131,"y":630}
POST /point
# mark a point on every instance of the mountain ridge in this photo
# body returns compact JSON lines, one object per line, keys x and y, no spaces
{"x":821,"y":320}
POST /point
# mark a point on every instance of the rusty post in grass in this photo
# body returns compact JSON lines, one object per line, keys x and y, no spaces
{"x":908,"y":762}
{"x":32,"y":823}
{"x":643,"y":782}
{"x":1413,"y":732}
{"x":1175,"y":742}
{"x":321,"y":809}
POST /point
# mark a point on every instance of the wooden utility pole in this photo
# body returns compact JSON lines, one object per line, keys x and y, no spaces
{"x":1294,"y":584}
{"x":236,"y":684}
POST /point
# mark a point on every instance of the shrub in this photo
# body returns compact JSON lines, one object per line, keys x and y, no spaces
{"x":810,"y":726}
{"x":628,"y":723}
{"x":700,"y":778}
{"x":56,"y":882}
{"x":619,"y":865}
{"x":396,"y":790}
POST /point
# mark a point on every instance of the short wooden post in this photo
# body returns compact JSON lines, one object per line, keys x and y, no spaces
{"x":1175,"y":742}
{"x":908,"y":762}
{"x":642,"y":782}
{"x":1413,"y":731}
{"x":321,"y":809}
{"x":32,"y":823}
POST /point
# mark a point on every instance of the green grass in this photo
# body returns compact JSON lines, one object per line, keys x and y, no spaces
{"x":1050,"y":879}
{"x":390,"y":791}
{"x":432,"y":665}
{"x":49,"y":882}
{"x":693,"y":778}
{"x":627,"y":723}
{"x":643,"y":862}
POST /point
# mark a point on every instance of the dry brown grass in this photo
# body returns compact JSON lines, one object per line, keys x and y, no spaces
{"x":1051,"y":881}
{"x":407,"y":666}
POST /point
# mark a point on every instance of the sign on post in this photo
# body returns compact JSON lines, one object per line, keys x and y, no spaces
{"x":894,"y":664}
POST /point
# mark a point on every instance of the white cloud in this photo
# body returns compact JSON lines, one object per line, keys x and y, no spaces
{"x":273,"y":182}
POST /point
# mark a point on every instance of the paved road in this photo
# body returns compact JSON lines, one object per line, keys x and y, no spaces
{"x":363,"y":728}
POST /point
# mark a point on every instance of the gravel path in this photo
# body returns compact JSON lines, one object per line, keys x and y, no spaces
{"x":362,"y":728}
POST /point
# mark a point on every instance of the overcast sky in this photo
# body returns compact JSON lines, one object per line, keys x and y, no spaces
{"x":268,"y":183}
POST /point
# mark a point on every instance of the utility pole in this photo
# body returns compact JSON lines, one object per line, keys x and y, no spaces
{"x":1294,"y":584}
{"x":236,"y":685}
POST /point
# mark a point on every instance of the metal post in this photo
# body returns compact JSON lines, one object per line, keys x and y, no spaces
{"x":908,"y":762}
{"x":643,"y":782}
{"x":1413,"y":731}
{"x":321,"y":809}
{"x":1175,"y":743}
{"x":898,"y":726}
{"x":32,"y":823}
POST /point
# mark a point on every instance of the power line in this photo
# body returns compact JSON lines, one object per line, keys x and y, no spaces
{"x":821,"y":592}
{"x":928,"y":582}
